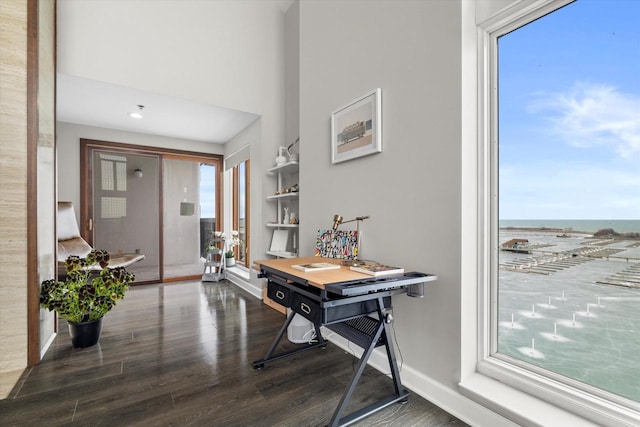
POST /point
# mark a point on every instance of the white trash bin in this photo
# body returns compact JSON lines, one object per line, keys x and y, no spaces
{"x":300,"y":330}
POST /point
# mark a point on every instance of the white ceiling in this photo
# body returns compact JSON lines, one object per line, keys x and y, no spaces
{"x":95,"y":103}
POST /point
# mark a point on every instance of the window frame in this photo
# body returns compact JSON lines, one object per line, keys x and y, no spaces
{"x":481,"y":185}
{"x":235,"y":201}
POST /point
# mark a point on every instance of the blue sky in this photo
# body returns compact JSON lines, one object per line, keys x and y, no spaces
{"x":569,"y":100}
{"x":208,"y":175}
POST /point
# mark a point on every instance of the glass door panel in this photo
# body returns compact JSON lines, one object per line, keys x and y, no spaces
{"x":124,"y":203}
{"x":189,"y":214}
{"x":208,"y":208}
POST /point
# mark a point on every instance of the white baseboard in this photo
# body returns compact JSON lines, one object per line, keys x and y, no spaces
{"x":449,"y":400}
{"x":46,"y":345}
{"x":245,"y":284}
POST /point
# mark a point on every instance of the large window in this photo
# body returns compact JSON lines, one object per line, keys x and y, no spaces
{"x":564,"y":229}
{"x":241,"y":210}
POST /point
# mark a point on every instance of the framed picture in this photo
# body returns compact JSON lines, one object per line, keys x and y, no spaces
{"x":337,"y":244}
{"x":356,"y":129}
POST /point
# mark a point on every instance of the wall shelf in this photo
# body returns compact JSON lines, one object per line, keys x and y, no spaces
{"x":274,"y":225}
{"x":286,"y":176}
{"x":293,"y":195}
{"x":288,"y":167}
{"x":282,"y":254}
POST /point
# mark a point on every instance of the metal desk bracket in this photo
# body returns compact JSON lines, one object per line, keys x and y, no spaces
{"x":400,"y":395}
{"x":259,"y":364}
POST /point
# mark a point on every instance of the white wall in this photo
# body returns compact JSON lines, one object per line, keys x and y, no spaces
{"x":292,"y":74}
{"x":68,"y":144}
{"x":411,"y":50}
{"x":226,"y":53}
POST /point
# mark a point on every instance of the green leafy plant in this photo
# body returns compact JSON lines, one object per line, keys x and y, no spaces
{"x":87,"y":292}
{"x":216,"y":243}
{"x":223,"y":242}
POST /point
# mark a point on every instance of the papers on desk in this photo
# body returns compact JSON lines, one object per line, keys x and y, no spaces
{"x":316,"y":266}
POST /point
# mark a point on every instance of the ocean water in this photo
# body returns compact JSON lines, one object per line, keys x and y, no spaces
{"x":566,"y":322}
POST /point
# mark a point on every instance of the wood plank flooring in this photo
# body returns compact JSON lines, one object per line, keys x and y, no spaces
{"x":180,"y":354}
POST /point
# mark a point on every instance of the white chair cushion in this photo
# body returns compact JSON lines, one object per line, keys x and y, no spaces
{"x":67,"y":226}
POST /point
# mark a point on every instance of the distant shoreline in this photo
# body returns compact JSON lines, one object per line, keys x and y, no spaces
{"x":545,"y":229}
{"x":563,"y":232}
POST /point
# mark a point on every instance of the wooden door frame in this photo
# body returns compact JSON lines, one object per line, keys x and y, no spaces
{"x":86,"y":185}
{"x":34,"y":112}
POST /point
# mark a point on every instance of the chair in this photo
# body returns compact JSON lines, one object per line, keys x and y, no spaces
{"x":71,"y":243}
{"x":215,"y":266}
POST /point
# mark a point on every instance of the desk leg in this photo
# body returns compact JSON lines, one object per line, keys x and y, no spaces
{"x":400,"y":395}
{"x":257,"y":364}
{"x":391,"y":356}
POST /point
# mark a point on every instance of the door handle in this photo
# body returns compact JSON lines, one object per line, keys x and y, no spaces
{"x":90,"y":224}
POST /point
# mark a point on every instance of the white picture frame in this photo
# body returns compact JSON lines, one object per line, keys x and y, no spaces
{"x":356,"y":128}
{"x":279,"y":241}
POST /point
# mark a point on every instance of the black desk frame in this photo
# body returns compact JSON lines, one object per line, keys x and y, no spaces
{"x":368,"y":341}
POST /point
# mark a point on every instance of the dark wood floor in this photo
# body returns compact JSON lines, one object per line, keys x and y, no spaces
{"x":180,"y":354}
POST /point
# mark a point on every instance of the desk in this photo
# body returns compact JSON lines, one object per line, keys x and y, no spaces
{"x":352,"y":304}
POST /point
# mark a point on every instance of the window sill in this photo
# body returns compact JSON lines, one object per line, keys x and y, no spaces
{"x":516,"y":405}
{"x":528,"y":399}
{"x":242,"y":272}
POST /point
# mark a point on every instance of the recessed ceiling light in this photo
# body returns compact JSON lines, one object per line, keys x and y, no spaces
{"x":137,"y":114}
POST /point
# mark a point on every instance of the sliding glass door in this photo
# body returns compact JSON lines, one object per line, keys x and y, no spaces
{"x":124,"y":216}
{"x":189,"y":212}
{"x":160,"y":203}
{"x":124,"y":205}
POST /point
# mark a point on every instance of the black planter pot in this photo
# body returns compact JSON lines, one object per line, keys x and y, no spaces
{"x":85,"y":334}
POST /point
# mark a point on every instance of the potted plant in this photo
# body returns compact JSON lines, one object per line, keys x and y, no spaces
{"x":230,"y":241}
{"x":230,"y":260}
{"x":215,"y":246}
{"x":88,"y":292}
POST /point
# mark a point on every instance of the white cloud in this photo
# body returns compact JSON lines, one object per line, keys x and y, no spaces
{"x":589,"y":115}
{"x":569,"y":190}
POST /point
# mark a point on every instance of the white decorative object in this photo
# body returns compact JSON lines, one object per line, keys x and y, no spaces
{"x":285,"y":220}
{"x":281,"y":159}
{"x":279,"y":240}
{"x":293,"y":157}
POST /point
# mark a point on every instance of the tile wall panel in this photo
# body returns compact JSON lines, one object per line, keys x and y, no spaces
{"x":13,"y":188}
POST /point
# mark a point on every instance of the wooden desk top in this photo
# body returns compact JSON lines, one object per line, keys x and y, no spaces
{"x":315,"y":278}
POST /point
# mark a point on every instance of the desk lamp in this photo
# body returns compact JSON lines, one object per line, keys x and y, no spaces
{"x":337,"y":221}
